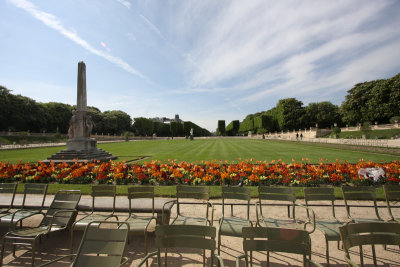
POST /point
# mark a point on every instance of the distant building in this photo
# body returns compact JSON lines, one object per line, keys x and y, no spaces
{"x":167,"y":120}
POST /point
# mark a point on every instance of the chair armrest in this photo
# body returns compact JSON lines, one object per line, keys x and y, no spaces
{"x":162,"y":213}
{"x":220,"y":260}
{"x":243,"y":256}
{"x":58,"y":259}
{"x":311,"y":217}
{"x":257,"y":204}
{"x":145,"y":259}
{"x":210,"y":205}
{"x":313,"y":263}
{"x":12,"y":226}
{"x":350,"y":262}
{"x":125,"y":260}
{"x":57,"y":214}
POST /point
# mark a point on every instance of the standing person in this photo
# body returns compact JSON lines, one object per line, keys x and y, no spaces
{"x":301,"y":136}
{"x":297,"y":136}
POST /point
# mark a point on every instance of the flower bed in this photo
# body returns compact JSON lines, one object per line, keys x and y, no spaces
{"x":200,"y":173}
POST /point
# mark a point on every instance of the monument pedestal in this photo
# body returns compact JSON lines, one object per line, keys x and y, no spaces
{"x":82,"y":144}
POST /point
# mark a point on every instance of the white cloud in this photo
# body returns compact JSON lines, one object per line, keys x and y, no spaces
{"x":126,"y":3}
{"x":53,"y":22}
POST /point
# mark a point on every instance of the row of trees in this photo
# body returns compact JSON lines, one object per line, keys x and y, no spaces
{"x":20,"y":113}
{"x":146,"y":127}
{"x":367,"y":103}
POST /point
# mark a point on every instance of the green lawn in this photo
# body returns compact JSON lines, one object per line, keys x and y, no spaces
{"x":214,"y":149}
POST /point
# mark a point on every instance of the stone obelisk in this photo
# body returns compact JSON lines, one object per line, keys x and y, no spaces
{"x":81,"y":123}
{"x":80,"y":146}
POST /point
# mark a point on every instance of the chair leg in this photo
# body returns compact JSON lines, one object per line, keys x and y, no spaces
{"x":72,"y":242}
{"x":374,"y":255}
{"x":267,"y":258}
{"x":33,"y":252}
{"x":2,"y":251}
{"x":327,"y":252}
{"x":361,"y":256}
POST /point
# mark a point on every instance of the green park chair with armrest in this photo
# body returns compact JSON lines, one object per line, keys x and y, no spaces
{"x":31,"y":191}
{"x":185,"y":236}
{"x":360,"y":193}
{"x":101,"y":246}
{"x":8,"y":191}
{"x":285,"y":195}
{"x":98,"y":191}
{"x":392,"y":193}
{"x":272,"y":239}
{"x":59,"y":216}
{"x":368,"y":233}
{"x":232,"y":225}
{"x":330,"y":227}
{"x":138,"y":225}
{"x":184,"y":192}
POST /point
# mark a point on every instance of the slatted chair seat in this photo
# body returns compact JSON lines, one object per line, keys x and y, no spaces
{"x":271,"y":239}
{"x":360,"y":193}
{"x":184,"y":236}
{"x":139,"y":225}
{"x":98,"y":191}
{"x":27,"y":210}
{"x":101,"y":246}
{"x":361,"y":234}
{"x":61,"y":213}
{"x":285,"y":195}
{"x":184,"y":192}
{"x":232,"y":225}
{"x":330,"y":228}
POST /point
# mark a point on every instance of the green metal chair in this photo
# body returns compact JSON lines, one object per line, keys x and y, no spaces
{"x":184,"y":236}
{"x":368,"y":233}
{"x":287,"y":196}
{"x":98,"y":191}
{"x":7,"y":189}
{"x":364,"y":193}
{"x":232,"y":225}
{"x":184,"y":192}
{"x":138,"y":225}
{"x":101,"y":246}
{"x":392,"y":193}
{"x":330,"y":228}
{"x":59,"y":216}
{"x":272,"y":239}
{"x":27,"y":209}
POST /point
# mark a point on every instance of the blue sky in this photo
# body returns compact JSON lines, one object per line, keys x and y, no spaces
{"x":205,"y":60}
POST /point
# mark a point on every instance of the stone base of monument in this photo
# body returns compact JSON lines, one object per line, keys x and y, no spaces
{"x":81,"y":150}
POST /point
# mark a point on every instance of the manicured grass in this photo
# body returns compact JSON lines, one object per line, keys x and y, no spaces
{"x":170,"y":191}
{"x":219,"y":149}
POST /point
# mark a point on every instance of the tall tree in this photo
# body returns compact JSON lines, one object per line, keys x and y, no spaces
{"x":325,"y":114}
{"x":221,"y":127}
{"x":289,"y":114}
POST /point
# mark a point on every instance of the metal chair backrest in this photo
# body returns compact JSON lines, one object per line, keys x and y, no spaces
{"x":237,"y":193}
{"x":272,"y":239}
{"x":185,"y":236}
{"x":10,"y":188}
{"x":102,"y":246}
{"x":320,"y":194}
{"x":189,"y":191}
{"x":365,"y":193}
{"x":34,"y":189}
{"x":371,"y":233}
{"x":284,"y":194}
{"x":138,"y":192}
{"x":392,"y":193}
{"x":64,"y":207}
{"x":103,"y":191}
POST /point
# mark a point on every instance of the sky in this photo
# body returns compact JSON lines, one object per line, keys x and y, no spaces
{"x":205,"y":60}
